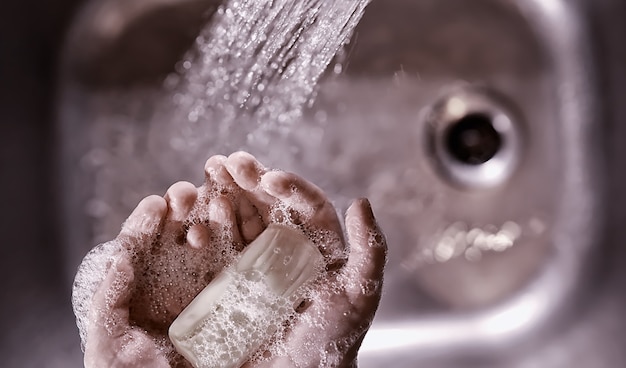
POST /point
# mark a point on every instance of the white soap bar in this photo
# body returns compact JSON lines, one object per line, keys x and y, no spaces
{"x":247,"y":302}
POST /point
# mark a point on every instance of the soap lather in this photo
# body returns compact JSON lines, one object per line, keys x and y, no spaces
{"x":246,"y":303}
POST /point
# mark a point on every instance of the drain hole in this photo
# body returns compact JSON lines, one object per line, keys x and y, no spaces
{"x":474,"y":135}
{"x":473,"y":140}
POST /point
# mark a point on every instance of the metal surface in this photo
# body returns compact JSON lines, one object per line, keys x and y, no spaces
{"x":537,"y":308}
{"x":554,"y":298}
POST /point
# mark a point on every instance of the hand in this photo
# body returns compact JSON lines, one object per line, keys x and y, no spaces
{"x":239,"y":198}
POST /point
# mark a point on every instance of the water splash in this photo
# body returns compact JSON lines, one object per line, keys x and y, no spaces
{"x":246,"y":80}
{"x":257,"y":66}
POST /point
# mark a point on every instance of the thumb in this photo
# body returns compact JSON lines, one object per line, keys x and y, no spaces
{"x":368,"y":251}
{"x":364,"y":269}
{"x":111,"y":341}
{"x":108,"y":316}
{"x":144,"y":222}
{"x":110,"y":302}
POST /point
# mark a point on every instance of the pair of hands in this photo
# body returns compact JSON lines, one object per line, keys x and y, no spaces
{"x":171,"y":247}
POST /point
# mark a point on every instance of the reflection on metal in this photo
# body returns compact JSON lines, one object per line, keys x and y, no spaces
{"x":457,"y":240}
{"x":552,"y":296}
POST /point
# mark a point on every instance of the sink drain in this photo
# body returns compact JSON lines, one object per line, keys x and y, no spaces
{"x":474,"y":137}
{"x":473,"y":140}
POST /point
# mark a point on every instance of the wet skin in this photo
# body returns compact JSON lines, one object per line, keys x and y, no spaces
{"x":238,"y":200}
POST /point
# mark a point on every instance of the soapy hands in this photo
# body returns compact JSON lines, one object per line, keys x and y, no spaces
{"x":171,"y":247}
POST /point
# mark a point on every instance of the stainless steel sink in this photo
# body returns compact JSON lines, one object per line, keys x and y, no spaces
{"x":489,"y":163}
{"x":442,"y":306}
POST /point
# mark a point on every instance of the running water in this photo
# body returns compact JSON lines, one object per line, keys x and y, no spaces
{"x":246,"y":81}
{"x":257,"y":66}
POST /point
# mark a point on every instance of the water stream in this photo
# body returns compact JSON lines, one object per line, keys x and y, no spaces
{"x":246,"y":82}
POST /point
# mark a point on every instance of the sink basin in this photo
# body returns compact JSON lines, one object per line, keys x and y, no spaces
{"x":473,"y":127}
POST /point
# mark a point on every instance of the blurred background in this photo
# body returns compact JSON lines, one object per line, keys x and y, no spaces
{"x":35,"y":310}
{"x":38,"y":324}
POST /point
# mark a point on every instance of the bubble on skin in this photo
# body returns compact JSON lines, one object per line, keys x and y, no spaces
{"x":174,"y":275}
{"x":315,"y":318}
{"x":375,"y":239}
{"x":90,"y":274}
{"x":280,"y":214}
{"x":329,"y":243}
{"x":331,"y":356}
{"x":153,"y":301}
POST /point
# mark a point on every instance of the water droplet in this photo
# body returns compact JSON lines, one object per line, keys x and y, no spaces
{"x":370,"y":287}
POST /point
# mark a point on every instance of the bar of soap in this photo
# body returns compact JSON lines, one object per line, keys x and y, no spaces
{"x":247,"y":302}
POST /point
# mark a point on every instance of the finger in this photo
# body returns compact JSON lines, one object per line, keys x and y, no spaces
{"x":224,"y":221}
{"x":180,"y":198}
{"x":145,"y":220}
{"x":293,"y":190}
{"x":306,"y":203}
{"x":217,"y":182}
{"x":300,"y":195}
{"x":368,"y":254}
{"x":251,"y":223}
{"x":199,"y":236}
{"x":108,"y":316}
{"x":246,"y":171}
{"x":109,"y":311}
{"x":216,"y":173}
{"x":111,"y":341}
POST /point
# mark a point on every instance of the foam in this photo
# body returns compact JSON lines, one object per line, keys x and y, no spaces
{"x":329,"y":242}
{"x":245,"y":305}
{"x":88,"y":278}
{"x":221,"y":341}
{"x":167,"y":277}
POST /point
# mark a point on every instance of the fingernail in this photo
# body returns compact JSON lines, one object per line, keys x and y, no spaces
{"x":276,"y":184}
{"x":366,"y":207}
